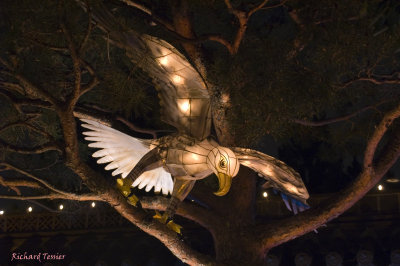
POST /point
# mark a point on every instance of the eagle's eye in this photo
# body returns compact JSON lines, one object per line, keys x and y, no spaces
{"x":222,"y":163}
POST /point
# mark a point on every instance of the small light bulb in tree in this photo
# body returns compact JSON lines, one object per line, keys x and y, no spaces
{"x":61,"y":207}
{"x":265,"y":194}
{"x":380,"y":187}
{"x":93,"y":204}
{"x":1,"y":212}
{"x":30,"y":209}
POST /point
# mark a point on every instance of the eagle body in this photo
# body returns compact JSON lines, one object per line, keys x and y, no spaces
{"x":185,"y":156}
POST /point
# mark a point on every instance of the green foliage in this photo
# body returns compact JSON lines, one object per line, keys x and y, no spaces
{"x":289,"y":73}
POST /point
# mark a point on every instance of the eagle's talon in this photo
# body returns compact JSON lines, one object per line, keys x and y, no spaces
{"x":133,"y":200}
{"x":161,"y":218}
{"x":170,"y":224}
{"x":124,"y":186}
{"x":174,"y":227}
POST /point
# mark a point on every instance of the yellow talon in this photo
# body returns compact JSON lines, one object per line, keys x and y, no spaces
{"x":161,"y":218}
{"x":120,"y":182}
{"x":174,"y":227}
{"x":133,"y":200}
{"x":124,"y":186}
{"x":171,"y":225}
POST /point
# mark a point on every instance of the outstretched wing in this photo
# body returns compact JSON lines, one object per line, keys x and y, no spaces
{"x":184,"y":98}
{"x":121,"y":153}
{"x":278,"y":175}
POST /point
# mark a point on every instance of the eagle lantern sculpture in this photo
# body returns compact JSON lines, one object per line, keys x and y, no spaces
{"x":173,"y":163}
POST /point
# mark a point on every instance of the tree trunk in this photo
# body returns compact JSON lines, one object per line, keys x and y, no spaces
{"x":233,"y":246}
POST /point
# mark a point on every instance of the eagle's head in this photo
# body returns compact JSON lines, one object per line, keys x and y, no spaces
{"x":225,"y":165}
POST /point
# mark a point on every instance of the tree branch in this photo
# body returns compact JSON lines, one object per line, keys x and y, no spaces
{"x":376,"y":138}
{"x":336,"y":119}
{"x":93,"y":83}
{"x":243,"y":18}
{"x":41,"y":181}
{"x":52,"y":196}
{"x":30,"y":88}
{"x":166,"y":24}
{"x":51,"y":145}
{"x":371,"y":80}
{"x":12,"y":86}
{"x":103,"y":116}
{"x":88,"y":30}
{"x":191,"y":211}
{"x":76,"y":62}
{"x":19,"y":183}
{"x":24,"y":101}
{"x":48,"y":46}
{"x":24,"y":150}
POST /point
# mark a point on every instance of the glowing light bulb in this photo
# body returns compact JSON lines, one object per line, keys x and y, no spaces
{"x":93,"y":204}
{"x":30,"y":209}
{"x":380,"y":187}
{"x":61,"y":207}
{"x":164,"y":61}
{"x":178,"y":80}
{"x":184,"y":106}
{"x":265,"y":194}
{"x":1,"y":212}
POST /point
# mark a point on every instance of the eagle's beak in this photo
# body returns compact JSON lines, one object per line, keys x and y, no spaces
{"x":224,"y":184}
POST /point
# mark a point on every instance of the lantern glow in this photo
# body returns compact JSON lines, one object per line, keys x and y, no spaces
{"x":30,"y":209}
{"x":164,"y":61}
{"x":178,"y":80}
{"x":184,"y":106}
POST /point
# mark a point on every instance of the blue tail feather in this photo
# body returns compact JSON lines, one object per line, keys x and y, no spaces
{"x":285,"y":199}
{"x":296,"y":205}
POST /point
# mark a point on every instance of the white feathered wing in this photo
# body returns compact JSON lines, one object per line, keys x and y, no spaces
{"x":122,"y":153}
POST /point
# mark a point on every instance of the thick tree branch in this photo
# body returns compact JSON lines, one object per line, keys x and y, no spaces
{"x":76,"y":62}
{"x":204,"y":217}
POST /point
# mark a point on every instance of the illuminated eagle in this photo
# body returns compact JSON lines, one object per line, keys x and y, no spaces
{"x":172,"y":164}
